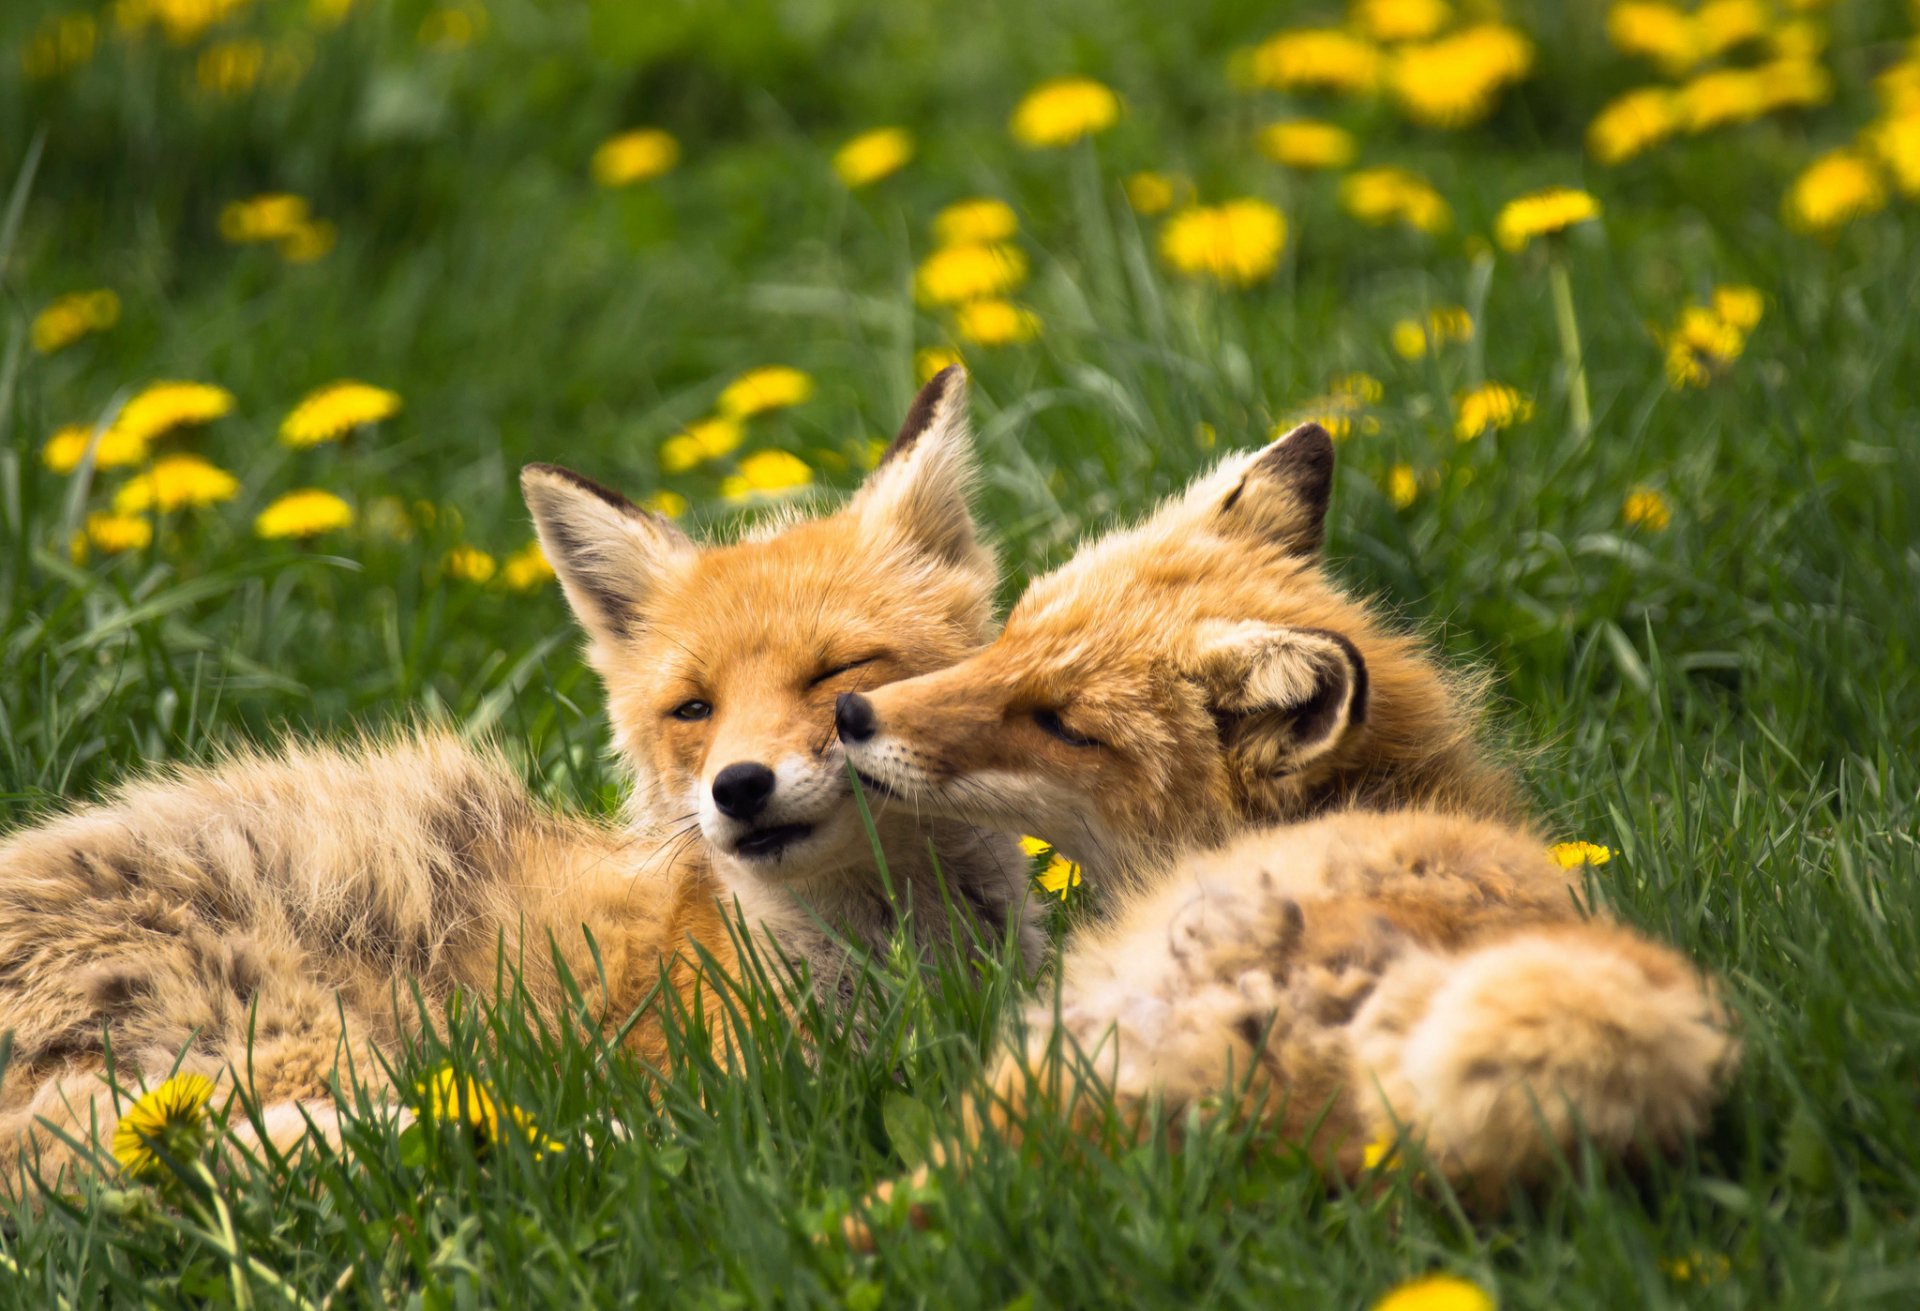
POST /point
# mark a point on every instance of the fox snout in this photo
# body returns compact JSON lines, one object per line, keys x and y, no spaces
{"x":853,"y":718}
{"x":741,"y":789}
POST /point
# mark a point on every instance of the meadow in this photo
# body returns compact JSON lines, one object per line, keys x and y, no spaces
{"x":1646,"y":446}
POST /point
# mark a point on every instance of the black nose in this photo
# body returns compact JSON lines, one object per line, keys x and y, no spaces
{"x":853,"y":716}
{"x":741,"y":789}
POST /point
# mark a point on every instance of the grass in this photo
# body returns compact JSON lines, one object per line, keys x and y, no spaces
{"x":1729,"y":702}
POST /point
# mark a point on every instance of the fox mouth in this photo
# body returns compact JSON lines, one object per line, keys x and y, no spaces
{"x":768,"y":843}
{"x":872,"y":785}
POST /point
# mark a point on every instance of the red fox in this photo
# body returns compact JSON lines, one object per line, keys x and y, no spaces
{"x":1386,"y":946}
{"x":265,"y":918}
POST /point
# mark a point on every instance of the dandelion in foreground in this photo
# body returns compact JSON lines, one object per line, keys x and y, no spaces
{"x":954,"y":274}
{"x":637,"y":156}
{"x":1567,"y":855}
{"x":175,"y":482}
{"x":982,"y":219}
{"x":1488,"y":408}
{"x":333,"y":411}
{"x":67,"y":447}
{"x":994,"y":322}
{"x":1236,"y":244}
{"x":775,"y":387}
{"x":1307,"y":144}
{"x":1151,"y":193}
{"x":1379,"y":196}
{"x":111,"y":534}
{"x":767,"y":473}
{"x":446,"y":1098}
{"x":1456,"y":80}
{"x":1060,"y":876}
{"x":1707,"y":339}
{"x":1656,"y":31}
{"x":1833,"y":191}
{"x":1401,"y":20}
{"x":1437,"y":1293}
{"x":526,"y":569}
{"x":162,"y":407}
{"x":1632,"y":125}
{"x":1542,"y":214}
{"x":166,"y":1121}
{"x":873,"y":155}
{"x":1646,"y":508}
{"x":305,"y":513}
{"x":1317,"y":59}
{"x":73,"y":316}
{"x":1061,"y":112}
{"x":469,"y":564}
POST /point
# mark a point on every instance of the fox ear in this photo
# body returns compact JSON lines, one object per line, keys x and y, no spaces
{"x":608,"y":552}
{"x":1284,"y":697}
{"x":918,"y":493}
{"x":1280,"y":492}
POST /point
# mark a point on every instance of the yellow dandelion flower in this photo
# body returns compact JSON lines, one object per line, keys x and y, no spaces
{"x":1152,"y":193}
{"x":1633,"y":124}
{"x":1456,"y":80}
{"x":309,"y":242}
{"x":1646,"y":508}
{"x":1569,"y":854}
{"x":305,"y":513}
{"x":1701,"y":346}
{"x":1409,"y":339}
{"x":331,"y":412}
{"x":1721,"y":25}
{"x":1379,"y":196}
{"x":118,"y":448}
{"x":756,"y":391}
{"x":1450,"y":323}
{"x":1236,"y":244}
{"x":1362,"y":387}
{"x":960,"y":273}
{"x":1793,"y":84}
{"x":1657,"y":31}
{"x":1060,"y":875}
{"x":275,"y":216}
{"x":161,"y":407}
{"x":994,"y":322}
{"x":175,"y":482}
{"x":1896,"y":143}
{"x":929,"y":360}
{"x":72,"y":317}
{"x":873,"y":155}
{"x":1697,"y":1267}
{"x":526,"y":569}
{"x":1305,"y":143}
{"x":767,"y":473}
{"x":715,"y":438}
{"x":230,"y":68}
{"x":1898,"y":88}
{"x":1721,"y":97}
{"x":635,"y":156}
{"x":1317,"y":59}
{"x":1740,"y":306}
{"x":446,"y":1098}
{"x":469,"y":564}
{"x":1488,"y":408}
{"x":1798,"y":38}
{"x":1388,"y":21}
{"x":668,"y":504}
{"x":1834,"y":190}
{"x":1402,"y":486}
{"x":163,"y":1121}
{"x":1061,"y":112}
{"x":1437,"y":1293}
{"x":1543,"y":213}
{"x":111,"y":534}
{"x":975,"y":222}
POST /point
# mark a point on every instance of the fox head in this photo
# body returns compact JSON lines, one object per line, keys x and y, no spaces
{"x":722,"y":661}
{"x":1178,"y":681}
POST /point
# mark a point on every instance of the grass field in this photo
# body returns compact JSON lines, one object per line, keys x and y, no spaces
{"x":1700,"y":600}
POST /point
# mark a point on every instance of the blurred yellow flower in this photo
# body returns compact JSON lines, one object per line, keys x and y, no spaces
{"x":1060,"y":112}
{"x":767,"y":473}
{"x":111,"y":534}
{"x":1236,"y":244}
{"x":1657,"y":31}
{"x":118,"y":448}
{"x":61,"y":42}
{"x":1317,"y":58}
{"x":1455,"y":81}
{"x":165,"y":1121}
{"x":1437,"y":1293}
{"x":982,"y":219}
{"x":1741,"y":306}
{"x":71,"y":317}
{"x":1834,"y":190}
{"x":446,"y":1098}
{"x":708,"y":439}
{"x":1409,"y":339}
{"x":634,"y":156}
{"x":1401,"y":20}
{"x":469,"y":564}
{"x":1896,"y":142}
{"x":668,"y":504}
{"x":275,"y":216}
{"x":960,"y":273}
{"x":309,"y":242}
{"x":161,"y":407}
{"x":1720,"y":25}
{"x":995,"y":322}
{"x":1402,"y":486}
{"x":1708,"y":338}
{"x":1543,"y":213}
{"x":1306,"y":143}
{"x":1488,"y":408}
{"x":526,"y":569}
{"x":1722,"y":97}
{"x":1060,"y":876}
{"x":174,"y":482}
{"x":1697,"y":1267}
{"x":230,"y":68}
{"x":774,"y":387}
{"x":1362,"y":387}
{"x":1151,"y":193}
{"x":1632,"y":124}
{"x":1798,"y":38}
{"x":1569,"y":854}
{"x":873,"y":155}
{"x":1793,"y":84}
{"x":1646,"y":508}
{"x":182,"y":21}
{"x":305,"y":513}
{"x":331,"y":412}
{"x":929,"y":360}
{"x":1445,"y":323}
{"x":452,"y":27}
{"x":1379,"y":196}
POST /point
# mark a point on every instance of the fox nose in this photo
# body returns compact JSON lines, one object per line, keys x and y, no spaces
{"x":742,"y":788}
{"x":853,"y":716}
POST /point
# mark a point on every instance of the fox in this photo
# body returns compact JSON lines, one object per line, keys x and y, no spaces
{"x":265,"y":919}
{"x":1316,"y":880}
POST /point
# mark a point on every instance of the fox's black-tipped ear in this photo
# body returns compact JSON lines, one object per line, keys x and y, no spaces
{"x":608,"y":552}
{"x":1281,"y":491}
{"x":919,"y":492}
{"x":1285,"y":697}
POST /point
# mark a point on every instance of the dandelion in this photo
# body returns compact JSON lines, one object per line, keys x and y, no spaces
{"x":162,"y":407}
{"x":1646,"y":508}
{"x":446,"y":1098}
{"x":230,"y":68}
{"x":176,"y":482}
{"x":1488,"y":408}
{"x":1656,"y":31}
{"x":954,"y":274}
{"x":167,"y":1121}
{"x":1896,"y":143}
{"x":1633,"y":124}
{"x":1362,"y":387}
{"x":1793,"y":84}
{"x":873,"y":155}
{"x":1388,"y":21}
{"x":1305,"y":143}
{"x":1409,"y":339}
{"x":1236,"y":244}
{"x":332,"y":411}
{"x":709,"y":439}
{"x":469,"y":564}
{"x":1061,"y":112}
{"x":639,"y":155}
{"x":62,"y":42}
{"x":275,"y":216}
{"x":1837,"y":188}
{"x":767,"y":473}
{"x":305,"y":513}
{"x":111,"y":534}
{"x":1697,"y":1267}
{"x":994,"y":322}
{"x":668,"y":504}
{"x":1740,"y":306}
{"x":930,"y":360}
{"x":309,"y":242}
{"x":1151,"y":193}
{"x":1379,"y":196}
{"x":1721,"y":97}
{"x":1402,"y":486}
{"x":1454,"y":82}
{"x":1317,"y":58}
{"x":977,"y":221}
{"x":118,"y":448}
{"x":73,"y":316}
{"x":1543,"y":213}
{"x":526,"y":569}
{"x":1060,"y":875}
{"x":1437,"y":1293}
{"x":1721,"y":25}
{"x":756,"y":391}
{"x":1708,"y":338}
{"x":1567,"y":855}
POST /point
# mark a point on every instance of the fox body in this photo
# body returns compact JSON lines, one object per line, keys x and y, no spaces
{"x":269,"y":917}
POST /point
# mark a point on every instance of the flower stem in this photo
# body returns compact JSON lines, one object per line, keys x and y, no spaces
{"x":1569,"y":326}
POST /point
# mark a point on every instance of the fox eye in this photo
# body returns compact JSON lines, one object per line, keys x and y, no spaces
{"x":827,"y":674}
{"x":692,"y":711}
{"x":1049,"y":722}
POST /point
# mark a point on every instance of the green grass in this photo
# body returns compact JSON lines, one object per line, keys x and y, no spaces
{"x":1729,"y":702}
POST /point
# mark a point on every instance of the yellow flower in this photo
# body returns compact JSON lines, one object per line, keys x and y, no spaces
{"x":1657,"y":31}
{"x":469,"y":564}
{"x":994,"y":322}
{"x":306,"y":513}
{"x":1897,"y":143}
{"x":708,"y":439}
{"x":72,"y":317}
{"x":1697,"y":1267}
{"x":332,"y":411}
{"x":636,"y":156}
{"x":1542,"y":213}
{"x":1632,"y":124}
{"x":1236,"y":244}
{"x":526,"y":568}
{"x":61,"y":42}
{"x":1362,"y":387}
{"x":1317,"y":58}
{"x":1445,"y":323}
{"x":1722,"y":97}
{"x":275,"y":216}
{"x":182,"y":21}
{"x":175,"y":482}
{"x":1060,"y":876}
{"x":873,"y":155}
{"x":669,"y":504}
{"x":1835,"y":189}
{"x":1708,"y":338}
{"x":1402,"y":486}
{"x":929,"y":360}
{"x":111,"y":534}
{"x":960,"y":273}
{"x":1306,"y":143}
{"x":982,"y":219}
{"x":756,"y":391}
{"x":1793,"y":84}
{"x":1489,"y":407}
{"x":1151,"y":193}
{"x":161,"y":407}
{"x":1401,"y":20}
{"x":309,"y":242}
{"x":1437,"y":1293}
{"x":1646,"y":508}
{"x":118,"y":448}
{"x":1720,"y":25}
{"x":167,"y":1119}
{"x":1453,"y":82}
{"x":230,"y":68}
{"x":767,"y":473}
{"x":1569,"y":854}
{"x":1060,"y":112}
{"x":447,"y":1098}
{"x":1740,"y":306}
{"x":1798,"y":38}
{"x":1379,"y":196}
{"x":452,"y":28}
